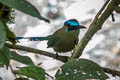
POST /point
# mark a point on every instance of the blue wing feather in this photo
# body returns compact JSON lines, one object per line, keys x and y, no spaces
{"x":52,"y":41}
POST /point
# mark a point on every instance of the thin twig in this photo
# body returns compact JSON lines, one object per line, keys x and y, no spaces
{"x":113,"y":17}
{"x":50,"y":76}
{"x":13,"y":71}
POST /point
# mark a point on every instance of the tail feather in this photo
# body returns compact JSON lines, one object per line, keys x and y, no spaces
{"x":18,"y":38}
{"x":34,"y":38}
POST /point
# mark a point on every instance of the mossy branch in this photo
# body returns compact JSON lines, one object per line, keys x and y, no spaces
{"x":60,"y":58}
{"x":94,"y":27}
{"x":112,"y":71}
{"x":37,"y":51}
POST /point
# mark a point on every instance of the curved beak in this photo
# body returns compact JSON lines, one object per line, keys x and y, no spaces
{"x":75,"y":28}
{"x":82,"y":27}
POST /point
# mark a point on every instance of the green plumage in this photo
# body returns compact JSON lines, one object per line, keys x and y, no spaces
{"x":63,"y":41}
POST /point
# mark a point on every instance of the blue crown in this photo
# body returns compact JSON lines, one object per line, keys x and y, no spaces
{"x":72,"y":22}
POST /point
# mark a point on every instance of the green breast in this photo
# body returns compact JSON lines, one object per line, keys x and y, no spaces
{"x":66,"y":41}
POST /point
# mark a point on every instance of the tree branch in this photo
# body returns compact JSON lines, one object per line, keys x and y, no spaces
{"x":117,"y":9}
{"x":112,"y":71}
{"x":45,"y":53}
{"x":60,"y":58}
{"x":94,"y":27}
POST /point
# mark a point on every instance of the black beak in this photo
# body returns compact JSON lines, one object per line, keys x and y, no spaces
{"x":81,"y":27}
{"x":76,"y":28}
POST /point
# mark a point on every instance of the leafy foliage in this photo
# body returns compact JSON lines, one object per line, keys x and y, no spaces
{"x":25,"y":7}
{"x":5,"y":57}
{"x":23,"y":59}
{"x":5,"y":18}
{"x":10,"y":35}
{"x":80,"y":69}
{"x":6,"y":34}
{"x":32,"y":71}
{"x":6,"y":13}
{"x":2,"y":34}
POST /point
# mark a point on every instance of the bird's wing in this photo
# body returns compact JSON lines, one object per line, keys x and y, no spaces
{"x":76,"y":41}
{"x":52,"y":41}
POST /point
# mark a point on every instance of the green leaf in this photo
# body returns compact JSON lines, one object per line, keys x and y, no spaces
{"x":32,"y":71}
{"x":10,"y":35}
{"x":5,"y":56}
{"x":22,"y":59}
{"x":80,"y":69}
{"x":25,"y":7}
{"x":2,"y":34}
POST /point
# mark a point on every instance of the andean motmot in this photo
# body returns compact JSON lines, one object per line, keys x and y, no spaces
{"x":64,"y":39}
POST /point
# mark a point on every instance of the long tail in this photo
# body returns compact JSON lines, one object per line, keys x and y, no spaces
{"x":34,"y":38}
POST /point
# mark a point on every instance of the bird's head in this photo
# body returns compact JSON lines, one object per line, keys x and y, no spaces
{"x":73,"y":24}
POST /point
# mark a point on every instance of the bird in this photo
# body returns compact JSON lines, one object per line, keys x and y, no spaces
{"x":64,"y":39}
